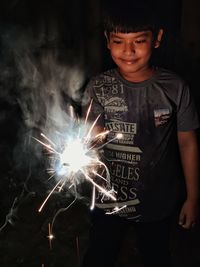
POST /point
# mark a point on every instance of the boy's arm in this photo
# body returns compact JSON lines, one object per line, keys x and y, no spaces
{"x":188,"y":147}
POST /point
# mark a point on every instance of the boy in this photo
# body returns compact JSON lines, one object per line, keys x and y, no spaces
{"x":153,"y":110}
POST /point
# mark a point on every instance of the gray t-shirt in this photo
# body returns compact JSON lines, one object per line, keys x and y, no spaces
{"x":144,"y":163}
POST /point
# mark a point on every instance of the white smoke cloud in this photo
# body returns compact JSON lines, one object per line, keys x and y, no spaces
{"x":42,"y":86}
{"x":42,"y":77}
{"x":44,"y":83}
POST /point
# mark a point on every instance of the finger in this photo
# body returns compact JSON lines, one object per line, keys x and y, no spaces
{"x":188,"y":224}
{"x":181,"y":219}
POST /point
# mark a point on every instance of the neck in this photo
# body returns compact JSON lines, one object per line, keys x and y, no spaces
{"x":139,"y":76}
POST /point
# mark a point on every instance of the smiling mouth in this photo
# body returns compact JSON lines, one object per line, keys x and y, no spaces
{"x":129,"y":62}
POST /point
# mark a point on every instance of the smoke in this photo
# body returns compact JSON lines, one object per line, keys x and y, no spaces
{"x":44,"y":83}
{"x":41,"y":79}
{"x":43,"y":88}
{"x":43,"y":72}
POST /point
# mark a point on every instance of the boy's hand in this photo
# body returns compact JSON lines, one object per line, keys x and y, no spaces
{"x":189,"y":214}
{"x":189,"y":153}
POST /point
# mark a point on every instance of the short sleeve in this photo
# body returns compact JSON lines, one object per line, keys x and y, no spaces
{"x":187,"y":117}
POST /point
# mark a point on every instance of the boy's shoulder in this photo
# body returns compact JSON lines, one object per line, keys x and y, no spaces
{"x":166,"y":75}
{"x":162,"y":76}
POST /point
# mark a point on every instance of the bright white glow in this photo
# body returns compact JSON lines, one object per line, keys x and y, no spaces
{"x":50,"y":237}
{"x":74,"y":156}
{"x":119,"y":136}
{"x":116,"y":209}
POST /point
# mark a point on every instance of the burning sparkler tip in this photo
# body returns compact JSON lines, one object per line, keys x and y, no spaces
{"x":74,"y":157}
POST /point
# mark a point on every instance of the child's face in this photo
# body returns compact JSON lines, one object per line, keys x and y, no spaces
{"x":132,"y":51}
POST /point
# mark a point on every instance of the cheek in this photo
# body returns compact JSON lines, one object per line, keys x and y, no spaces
{"x":115,"y":52}
{"x":145,"y":52}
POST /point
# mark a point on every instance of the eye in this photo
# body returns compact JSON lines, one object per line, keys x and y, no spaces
{"x":117,"y":41}
{"x":140,"y":41}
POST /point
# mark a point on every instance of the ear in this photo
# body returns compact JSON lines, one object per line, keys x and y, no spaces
{"x":107,"y":39}
{"x":158,"y":39}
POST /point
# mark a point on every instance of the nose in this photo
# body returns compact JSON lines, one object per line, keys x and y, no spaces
{"x":129,"y":48}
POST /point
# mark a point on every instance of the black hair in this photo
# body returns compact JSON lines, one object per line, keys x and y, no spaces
{"x":130,"y":16}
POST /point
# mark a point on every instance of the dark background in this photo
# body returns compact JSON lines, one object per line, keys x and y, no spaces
{"x":73,"y":30}
{"x":76,"y":25}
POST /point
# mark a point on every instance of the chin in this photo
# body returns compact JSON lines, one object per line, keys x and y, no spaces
{"x":129,"y":69}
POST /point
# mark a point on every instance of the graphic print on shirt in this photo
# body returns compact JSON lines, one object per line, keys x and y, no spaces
{"x":122,"y":155}
{"x":109,"y":94}
{"x":161,"y":116}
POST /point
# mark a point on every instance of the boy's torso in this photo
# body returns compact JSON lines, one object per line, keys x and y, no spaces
{"x":144,"y":164}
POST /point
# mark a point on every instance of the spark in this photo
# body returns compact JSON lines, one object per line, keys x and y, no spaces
{"x":50,"y":236}
{"x":41,"y":207}
{"x":74,"y":157}
{"x":93,"y":198}
{"x":115,"y":210}
{"x":47,"y":139}
{"x":88,"y":111}
{"x":101,"y":189}
{"x":88,"y":136}
{"x":119,"y":136}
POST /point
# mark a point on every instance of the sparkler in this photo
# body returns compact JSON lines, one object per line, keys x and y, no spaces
{"x":74,"y":157}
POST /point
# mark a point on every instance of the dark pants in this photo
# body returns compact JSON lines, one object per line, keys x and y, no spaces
{"x":108,"y":231}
